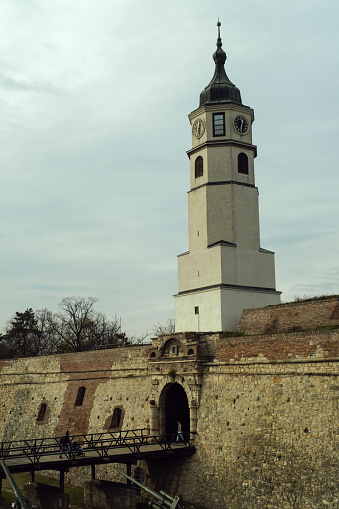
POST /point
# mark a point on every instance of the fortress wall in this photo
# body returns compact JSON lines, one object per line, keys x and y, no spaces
{"x":268,"y":427}
{"x":267,"y":412}
{"x":55,"y":380}
{"x":292,"y":316}
{"x":267,"y":437}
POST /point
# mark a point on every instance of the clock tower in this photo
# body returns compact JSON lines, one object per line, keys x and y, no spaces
{"x":225,"y":269}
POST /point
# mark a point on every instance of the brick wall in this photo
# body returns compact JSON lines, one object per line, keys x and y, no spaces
{"x":322,"y":344}
{"x":292,"y":316}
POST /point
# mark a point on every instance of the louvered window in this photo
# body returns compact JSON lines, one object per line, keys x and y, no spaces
{"x":218,"y":124}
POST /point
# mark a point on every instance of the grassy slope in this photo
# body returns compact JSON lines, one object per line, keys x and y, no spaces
{"x":76,"y":493}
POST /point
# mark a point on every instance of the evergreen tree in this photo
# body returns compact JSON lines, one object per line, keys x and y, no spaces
{"x":22,"y":335}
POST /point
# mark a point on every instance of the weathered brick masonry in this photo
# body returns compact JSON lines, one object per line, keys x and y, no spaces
{"x":265,"y":407}
{"x":322,"y":344}
{"x":306,"y":314}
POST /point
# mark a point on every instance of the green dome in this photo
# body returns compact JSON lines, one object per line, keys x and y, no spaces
{"x":220,"y":89}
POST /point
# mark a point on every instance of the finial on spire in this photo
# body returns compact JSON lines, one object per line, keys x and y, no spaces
{"x":219,"y":43}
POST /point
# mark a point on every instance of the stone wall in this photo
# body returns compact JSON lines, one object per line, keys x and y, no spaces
{"x":107,"y":495}
{"x":272,"y":431}
{"x":111,"y":378}
{"x":42,"y":495}
{"x":264,"y":408}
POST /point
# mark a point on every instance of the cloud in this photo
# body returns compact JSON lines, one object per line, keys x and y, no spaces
{"x":8,"y":82}
{"x":45,"y":289}
{"x":94,"y":134}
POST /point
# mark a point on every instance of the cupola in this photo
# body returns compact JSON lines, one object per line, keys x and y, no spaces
{"x":220,"y":89}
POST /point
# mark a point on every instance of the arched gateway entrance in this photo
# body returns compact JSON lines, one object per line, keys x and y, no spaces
{"x":173,"y":408}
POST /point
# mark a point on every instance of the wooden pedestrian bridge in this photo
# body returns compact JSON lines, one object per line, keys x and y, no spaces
{"x":36,"y":454}
{"x":32,"y":454}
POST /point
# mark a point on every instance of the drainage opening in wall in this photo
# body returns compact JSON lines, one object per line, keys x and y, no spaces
{"x":80,"y":396}
{"x":116,"y":420}
{"x":42,"y":412}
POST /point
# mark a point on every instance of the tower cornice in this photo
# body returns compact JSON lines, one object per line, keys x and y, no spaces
{"x":230,"y":287}
{"x":223,"y":143}
{"x":241,"y":108}
{"x":222,"y":183}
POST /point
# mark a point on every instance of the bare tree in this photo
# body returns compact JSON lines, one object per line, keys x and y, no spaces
{"x":73,"y":323}
{"x":138,"y":340}
{"x":48,"y":337}
{"x":78,"y":327}
{"x":107,"y":333}
{"x":165,"y":328}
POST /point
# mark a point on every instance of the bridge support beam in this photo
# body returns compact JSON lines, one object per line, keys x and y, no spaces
{"x":129,"y":472}
{"x":2,"y":499}
{"x":62,"y":481}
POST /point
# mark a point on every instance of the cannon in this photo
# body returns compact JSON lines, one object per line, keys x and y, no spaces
{"x":162,"y":499}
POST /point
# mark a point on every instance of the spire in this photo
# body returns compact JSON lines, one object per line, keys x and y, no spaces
{"x":220,"y":89}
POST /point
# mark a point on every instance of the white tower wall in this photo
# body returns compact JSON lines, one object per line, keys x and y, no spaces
{"x":225,"y":269}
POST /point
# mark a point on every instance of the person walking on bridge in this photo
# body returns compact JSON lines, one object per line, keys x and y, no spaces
{"x":65,"y":443}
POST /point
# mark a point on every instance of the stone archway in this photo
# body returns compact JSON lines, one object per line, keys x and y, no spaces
{"x":174,"y":407}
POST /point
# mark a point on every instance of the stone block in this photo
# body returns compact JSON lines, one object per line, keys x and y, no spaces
{"x":109,"y":495}
{"x":43,"y":496}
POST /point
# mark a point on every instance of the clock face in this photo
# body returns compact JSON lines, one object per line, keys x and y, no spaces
{"x":240,"y":124}
{"x":198,"y":128}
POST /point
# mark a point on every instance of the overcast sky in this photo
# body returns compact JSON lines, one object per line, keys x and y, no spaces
{"x":94,"y":98}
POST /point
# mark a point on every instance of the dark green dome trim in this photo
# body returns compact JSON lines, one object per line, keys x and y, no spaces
{"x":220,"y":89}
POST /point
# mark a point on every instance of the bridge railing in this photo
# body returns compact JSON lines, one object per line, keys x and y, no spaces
{"x":102,"y":444}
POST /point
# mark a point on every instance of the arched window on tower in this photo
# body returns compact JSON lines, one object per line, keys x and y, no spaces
{"x":199,"y":167}
{"x":242,"y":163}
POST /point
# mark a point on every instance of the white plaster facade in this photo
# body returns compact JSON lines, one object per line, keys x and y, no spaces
{"x":225,"y":269}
